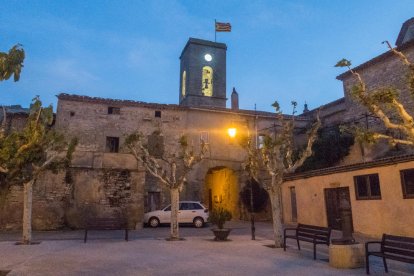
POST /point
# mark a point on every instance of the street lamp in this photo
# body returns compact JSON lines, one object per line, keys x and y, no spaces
{"x":232,"y":132}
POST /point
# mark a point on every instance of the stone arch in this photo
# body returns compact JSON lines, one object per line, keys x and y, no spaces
{"x":222,"y":189}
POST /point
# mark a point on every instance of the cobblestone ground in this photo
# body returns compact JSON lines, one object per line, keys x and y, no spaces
{"x":148,"y":253}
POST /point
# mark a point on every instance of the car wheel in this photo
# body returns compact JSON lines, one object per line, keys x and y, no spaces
{"x":154,"y":222}
{"x":198,"y":222}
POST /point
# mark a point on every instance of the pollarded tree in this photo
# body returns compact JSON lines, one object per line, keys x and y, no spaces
{"x":11,"y":63}
{"x":385,"y":104}
{"x":172,"y":169}
{"x":277,"y":158}
{"x":26,"y":154}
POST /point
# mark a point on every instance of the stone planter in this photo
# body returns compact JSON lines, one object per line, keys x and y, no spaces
{"x":347,"y":255}
{"x":221,"y":234}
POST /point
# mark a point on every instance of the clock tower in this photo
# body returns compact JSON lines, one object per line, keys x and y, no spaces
{"x":203,"y":74}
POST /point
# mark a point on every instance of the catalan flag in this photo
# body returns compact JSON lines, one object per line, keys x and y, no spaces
{"x":223,"y":27}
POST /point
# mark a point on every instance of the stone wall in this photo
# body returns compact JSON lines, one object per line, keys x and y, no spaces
{"x":388,"y":71}
{"x":67,"y":199}
{"x":88,"y":119}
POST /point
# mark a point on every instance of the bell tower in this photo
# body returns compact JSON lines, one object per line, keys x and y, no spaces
{"x":203,"y":74}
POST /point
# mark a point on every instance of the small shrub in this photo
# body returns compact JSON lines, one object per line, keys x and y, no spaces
{"x":219,"y":216}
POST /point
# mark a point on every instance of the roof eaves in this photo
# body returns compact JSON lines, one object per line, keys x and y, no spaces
{"x":375,"y":60}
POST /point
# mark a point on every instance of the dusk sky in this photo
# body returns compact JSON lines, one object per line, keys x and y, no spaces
{"x":277,"y":50}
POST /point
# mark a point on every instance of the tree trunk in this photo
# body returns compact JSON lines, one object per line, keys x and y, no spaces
{"x":274,"y":194}
{"x":27,"y":212}
{"x":175,"y":198}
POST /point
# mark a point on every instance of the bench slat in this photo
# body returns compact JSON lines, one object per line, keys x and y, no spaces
{"x":399,"y":244}
{"x":313,"y":232}
{"x":313,"y":227}
{"x":311,"y":236}
{"x":398,"y":251}
{"x":398,"y":238}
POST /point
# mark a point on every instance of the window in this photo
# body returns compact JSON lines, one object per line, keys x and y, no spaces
{"x":207,"y":81}
{"x":367,"y":187}
{"x":114,"y":110}
{"x":260,"y":141}
{"x":204,"y":137}
{"x":184,"y":206}
{"x":195,"y":206}
{"x":157,"y":114}
{"x":112,"y":144}
{"x":183,"y":80}
{"x":407,"y":181}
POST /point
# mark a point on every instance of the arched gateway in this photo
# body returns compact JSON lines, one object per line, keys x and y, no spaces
{"x":222,"y":190}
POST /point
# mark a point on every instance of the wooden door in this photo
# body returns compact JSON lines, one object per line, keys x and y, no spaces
{"x":332,"y":199}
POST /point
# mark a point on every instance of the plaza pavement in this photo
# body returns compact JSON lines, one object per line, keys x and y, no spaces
{"x":148,"y":253}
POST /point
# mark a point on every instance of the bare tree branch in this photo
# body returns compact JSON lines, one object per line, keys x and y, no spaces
{"x":308,"y":151}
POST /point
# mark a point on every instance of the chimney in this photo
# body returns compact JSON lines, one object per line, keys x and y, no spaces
{"x":305,"y":109}
{"x":234,"y":100}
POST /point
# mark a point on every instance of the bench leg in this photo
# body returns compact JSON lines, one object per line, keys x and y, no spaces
{"x":284,"y":243}
{"x":385,"y":264}
{"x":86,"y":236}
{"x":314,"y":251}
{"x":126,"y":234}
{"x":367,"y":262}
{"x":297,"y":241}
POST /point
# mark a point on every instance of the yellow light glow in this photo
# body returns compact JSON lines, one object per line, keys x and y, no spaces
{"x":232,"y":132}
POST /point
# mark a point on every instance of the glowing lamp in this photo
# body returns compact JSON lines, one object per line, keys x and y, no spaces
{"x":208,"y":57}
{"x":232,"y":132}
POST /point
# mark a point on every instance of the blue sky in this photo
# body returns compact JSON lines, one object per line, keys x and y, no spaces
{"x":277,"y":50}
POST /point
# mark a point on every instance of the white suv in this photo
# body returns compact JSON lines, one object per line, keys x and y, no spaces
{"x":189,"y":212}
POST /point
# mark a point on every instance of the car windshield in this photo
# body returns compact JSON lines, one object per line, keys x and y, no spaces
{"x":168,"y":208}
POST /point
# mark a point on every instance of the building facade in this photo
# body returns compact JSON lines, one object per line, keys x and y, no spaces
{"x":105,"y":180}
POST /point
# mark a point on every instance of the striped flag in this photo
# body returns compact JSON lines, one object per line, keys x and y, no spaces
{"x":223,"y":27}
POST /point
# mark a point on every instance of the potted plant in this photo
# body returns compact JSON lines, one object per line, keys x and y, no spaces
{"x":218,"y":217}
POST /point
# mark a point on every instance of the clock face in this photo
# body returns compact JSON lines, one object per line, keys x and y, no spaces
{"x":208,"y":57}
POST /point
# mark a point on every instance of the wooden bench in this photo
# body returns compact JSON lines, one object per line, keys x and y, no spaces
{"x":308,"y":233}
{"x":395,"y":248}
{"x":106,"y":224}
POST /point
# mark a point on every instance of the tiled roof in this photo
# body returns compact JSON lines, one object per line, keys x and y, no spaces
{"x":117,"y":102}
{"x":353,"y":167}
{"x":14,"y":109}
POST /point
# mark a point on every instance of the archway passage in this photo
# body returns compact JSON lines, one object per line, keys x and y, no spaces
{"x":222,"y":190}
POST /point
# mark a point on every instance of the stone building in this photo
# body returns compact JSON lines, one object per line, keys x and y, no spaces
{"x":106,"y":180}
{"x":377,"y":180}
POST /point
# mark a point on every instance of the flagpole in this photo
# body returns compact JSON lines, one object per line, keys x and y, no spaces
{"x":215,"y":31}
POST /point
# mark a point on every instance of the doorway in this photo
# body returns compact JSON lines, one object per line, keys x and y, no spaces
{"x":332,"y":199}
{"x":222,"y":190}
